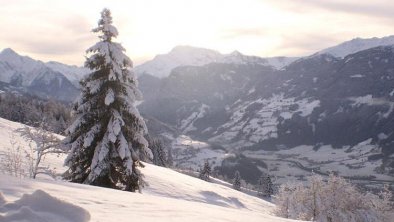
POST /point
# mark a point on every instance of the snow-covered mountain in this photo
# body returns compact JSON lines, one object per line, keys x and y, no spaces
{"x":47,"y":80}
{"x":238,"y":58}
{"x":170,"y":196}
{"x":162,"y":65}
{"x":11,"y":63}
{"x":14,"y":67}
{"x":72,"y":73}
{"x":358,"y":44}
{"x":318,"y":102}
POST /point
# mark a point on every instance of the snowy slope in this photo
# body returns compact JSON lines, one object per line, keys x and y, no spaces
{"x":170,"y":196}
{"x":162,"y":65}
{"x":358,"y":44}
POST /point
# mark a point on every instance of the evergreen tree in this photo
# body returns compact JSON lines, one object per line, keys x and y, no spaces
{"x":268,"y":187}
{"x":159,"y":154}
{"x":106,"y":140}
{"x":205,"y":172}
{"x":237,"y":181}
{"x":265,"y":186}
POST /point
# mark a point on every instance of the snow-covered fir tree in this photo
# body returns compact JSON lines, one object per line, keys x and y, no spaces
{"x":205,"y":172}
{"x":237,"y":181}
{"x":106,"y":140}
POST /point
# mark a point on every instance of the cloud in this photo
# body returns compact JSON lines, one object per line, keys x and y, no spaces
{"x":76,"y":24}
{"x":49,"y":37}
{"x":243,"y":32}
{"x":379,"y":8}
{"x":304,"y":44}
{"x":45,"y":46}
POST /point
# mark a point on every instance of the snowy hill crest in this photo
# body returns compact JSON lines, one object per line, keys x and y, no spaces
{"x":172,"y":195}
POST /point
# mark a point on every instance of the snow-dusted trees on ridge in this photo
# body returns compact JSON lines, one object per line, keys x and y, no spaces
{"x":22,"y":161}
{"x":42,"y":143}
{"x":160,"y":156}
{"x":332,"y":200}
{"x":205,"y":172}
{"x":237,"y":180}
{"x":31,"y":110}
{"x":106,"y":140}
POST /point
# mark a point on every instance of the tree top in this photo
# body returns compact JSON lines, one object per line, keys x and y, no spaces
{"x":105,"y":26}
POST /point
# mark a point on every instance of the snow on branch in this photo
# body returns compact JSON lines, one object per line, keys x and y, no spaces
{"x":110,"y":97}
{"x":89,"y":137}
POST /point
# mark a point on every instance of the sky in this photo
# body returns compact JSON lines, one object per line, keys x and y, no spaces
{"x":60,"y":30}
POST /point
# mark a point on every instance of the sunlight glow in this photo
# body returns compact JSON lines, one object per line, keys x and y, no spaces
{"x":60,"y":30}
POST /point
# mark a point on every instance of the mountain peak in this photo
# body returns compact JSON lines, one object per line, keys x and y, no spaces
{"x":8,"y":52}
{"x":236,"y":53}
{"x":13,"y":58}
{"x":186,"y":49}
{"x":162,"y":64}
{"x":182,"y":48}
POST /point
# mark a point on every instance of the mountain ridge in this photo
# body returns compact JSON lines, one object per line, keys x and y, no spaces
{"x":358,"y":44}
{"x":162,"y":64}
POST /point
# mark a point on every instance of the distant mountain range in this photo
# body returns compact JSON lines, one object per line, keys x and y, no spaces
{"x":61,"y":81}
{"x":341,"y":98}
{"x":339,"y":107}
{"x":162,"y":65}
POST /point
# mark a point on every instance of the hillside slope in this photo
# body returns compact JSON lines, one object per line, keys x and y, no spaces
{"x":170,"y":196}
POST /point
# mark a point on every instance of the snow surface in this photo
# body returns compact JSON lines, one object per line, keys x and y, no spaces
{"x":170,"y":196}
{"x":40,"y":206}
